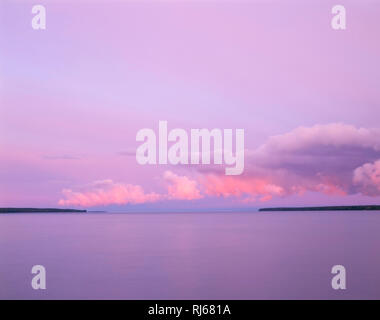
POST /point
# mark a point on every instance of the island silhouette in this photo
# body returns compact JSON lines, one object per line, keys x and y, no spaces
{"x":27,"y":210}
{"x":324,"y":208}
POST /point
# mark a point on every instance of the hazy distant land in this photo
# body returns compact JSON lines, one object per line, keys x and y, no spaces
{"x":27,"y":210}
{"x":325,"y":208}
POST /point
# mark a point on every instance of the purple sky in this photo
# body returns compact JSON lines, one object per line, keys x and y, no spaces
{"x":73,"y":96}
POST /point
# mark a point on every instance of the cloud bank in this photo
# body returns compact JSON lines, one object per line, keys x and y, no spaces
{"x":333,"y":159}
{"x":106,"y":192}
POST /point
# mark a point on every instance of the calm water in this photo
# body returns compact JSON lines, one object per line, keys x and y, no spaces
{"x":280,"y":255}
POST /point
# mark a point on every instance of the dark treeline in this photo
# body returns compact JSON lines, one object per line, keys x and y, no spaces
{"x":18,"y":210}
{"x":324,"y":208}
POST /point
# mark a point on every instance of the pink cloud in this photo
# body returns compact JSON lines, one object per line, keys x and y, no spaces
{"x":321,"y":158}
{"x":250,"y":188}
{"x":253,"y":188}
{"x":181,"y":187}
{"x":107,"y":192}
{"x":367,"y":178}
{"x":332,"y":159}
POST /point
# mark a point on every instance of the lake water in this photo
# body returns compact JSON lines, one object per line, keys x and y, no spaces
{"x":277,"y":255}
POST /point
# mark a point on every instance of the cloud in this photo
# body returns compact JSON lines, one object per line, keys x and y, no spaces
{"x":321,"y":148}
{"x":333,"y":159}
{"x":334,"y":135}
{"x":246,"y":188}
{"x":367,"y":178}
{"x":107,"y":192}
{"x":181,"y":187}
{"x":321,"y":159}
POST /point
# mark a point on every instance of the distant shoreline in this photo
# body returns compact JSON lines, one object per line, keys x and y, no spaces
{"x":28,"y":210}
{"x":324,"y":208}
{"x":320,"y":208}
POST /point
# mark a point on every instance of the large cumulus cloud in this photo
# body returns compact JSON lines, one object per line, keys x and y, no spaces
{"x":335,"y":159}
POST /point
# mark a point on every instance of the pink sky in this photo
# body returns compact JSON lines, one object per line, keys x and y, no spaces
{"x":73,"y":96}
